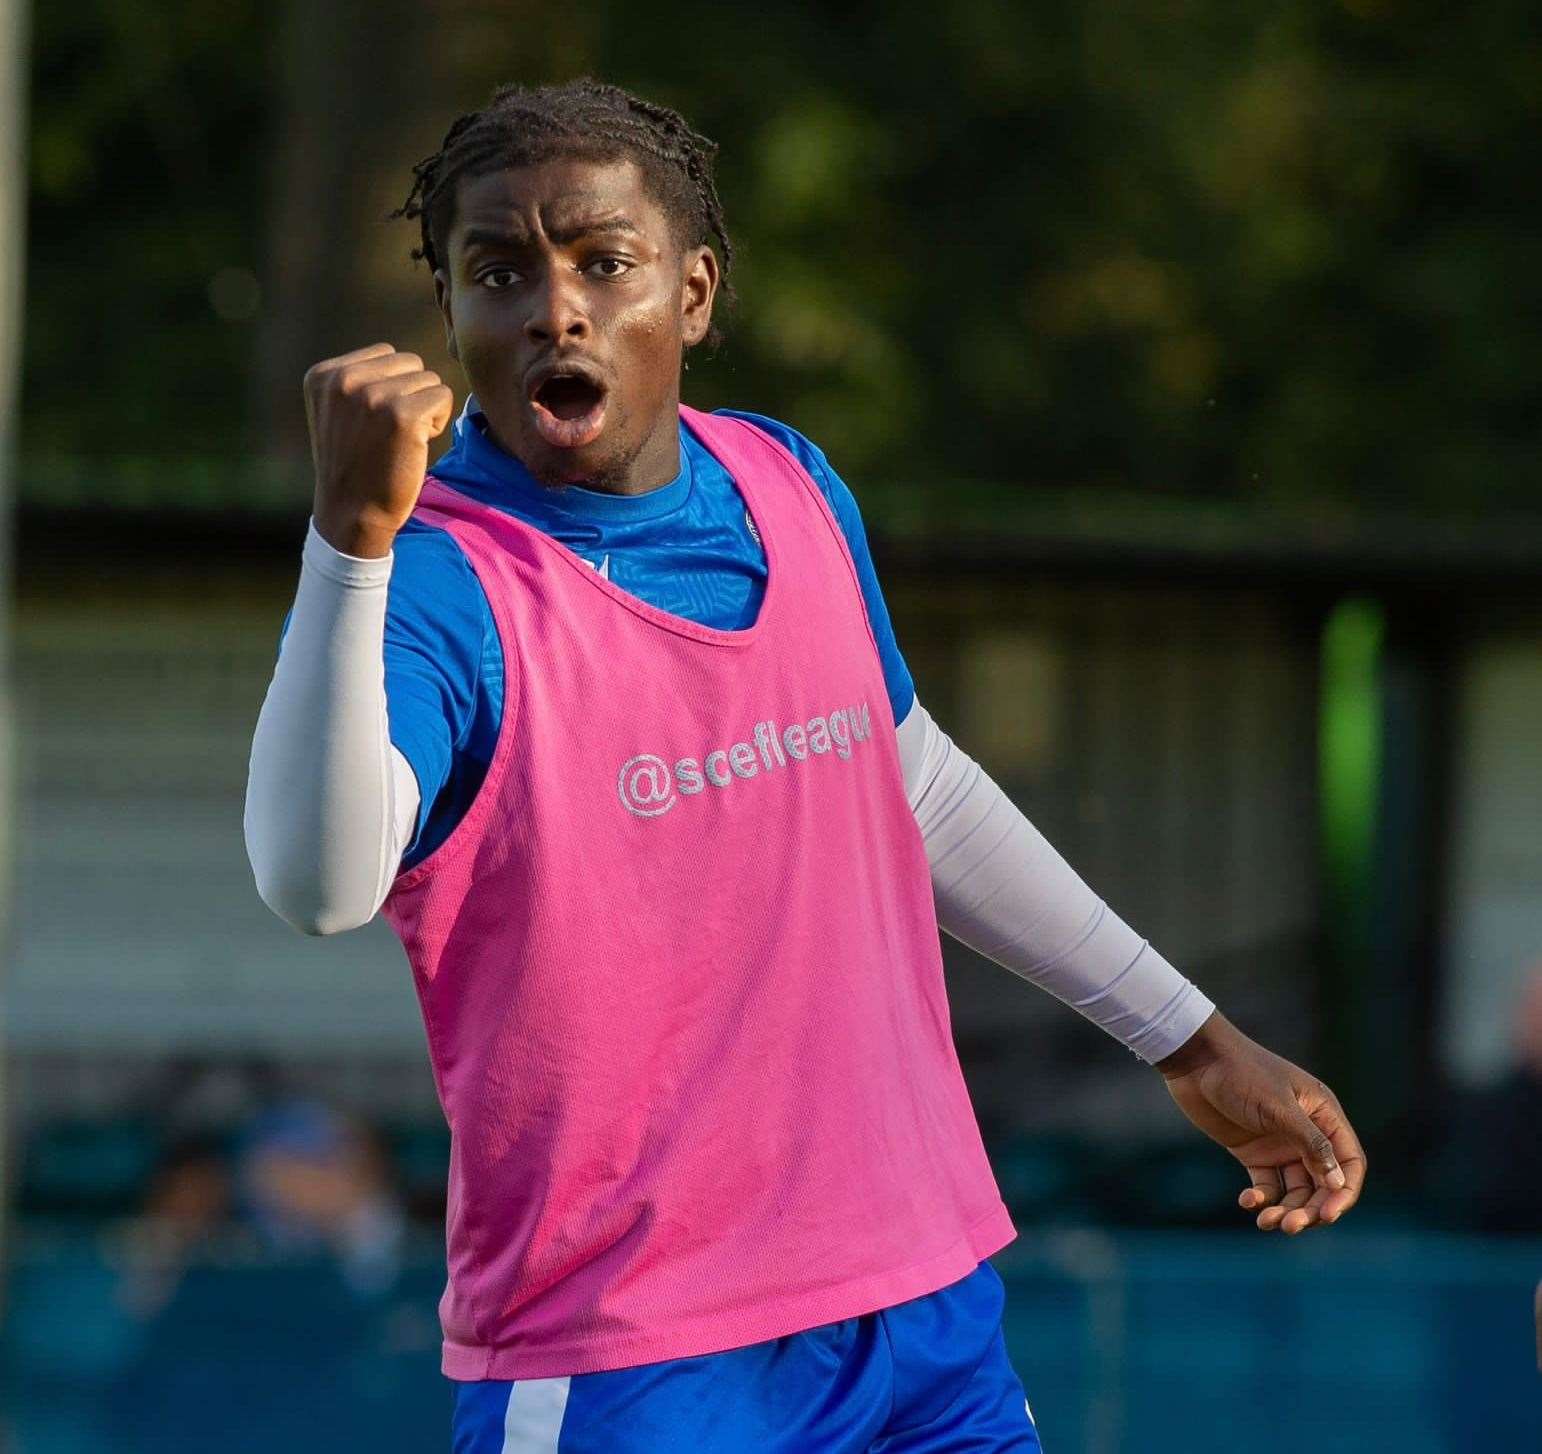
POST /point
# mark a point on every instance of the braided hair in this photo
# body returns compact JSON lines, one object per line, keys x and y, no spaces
{"x":585,"y":119}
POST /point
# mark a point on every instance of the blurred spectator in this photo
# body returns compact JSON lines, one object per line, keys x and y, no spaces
{"x":186,"y":1207}
{"x":210,"y":1095}
{"x":310,"y":1179}
{"x":1487,"y":1176}
{"x":270,"y":1284}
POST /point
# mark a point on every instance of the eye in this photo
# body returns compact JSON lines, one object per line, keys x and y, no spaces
{"x":610,"y":267}
{"x":487,"y":279}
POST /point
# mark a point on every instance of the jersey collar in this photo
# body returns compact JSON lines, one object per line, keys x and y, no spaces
{"x":476,"y":466}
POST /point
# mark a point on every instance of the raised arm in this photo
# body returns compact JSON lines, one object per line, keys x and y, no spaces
{"x":330,"y":803}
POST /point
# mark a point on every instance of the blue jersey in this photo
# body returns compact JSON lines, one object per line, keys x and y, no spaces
{"x":688,"y":547}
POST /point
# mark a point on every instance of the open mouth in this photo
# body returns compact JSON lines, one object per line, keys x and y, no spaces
{"x":569,"y":409}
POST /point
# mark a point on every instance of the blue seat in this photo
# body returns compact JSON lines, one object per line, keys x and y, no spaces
{"x":97,"y":1168}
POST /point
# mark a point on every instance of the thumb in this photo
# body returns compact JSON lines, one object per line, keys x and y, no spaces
{"x":1317,"y":1153}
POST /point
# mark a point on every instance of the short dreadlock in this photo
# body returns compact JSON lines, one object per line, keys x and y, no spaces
{"x":523,"y":126}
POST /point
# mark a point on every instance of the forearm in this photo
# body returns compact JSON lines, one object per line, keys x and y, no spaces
{"x":1002,"y":889}
{"x":330,"y":804}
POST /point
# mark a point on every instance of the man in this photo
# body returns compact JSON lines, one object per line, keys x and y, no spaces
{"x":608,"y":717}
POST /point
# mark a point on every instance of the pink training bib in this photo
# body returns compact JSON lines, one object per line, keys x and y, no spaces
{"x":679,"y":968}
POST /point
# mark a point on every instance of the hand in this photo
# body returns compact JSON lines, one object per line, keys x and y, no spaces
{"x":1284,"y":1125}
{"x":372,"y":413}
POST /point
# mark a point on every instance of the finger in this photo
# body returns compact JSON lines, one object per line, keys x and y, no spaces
{"x":1298,"y":1191}
{"x":443,"y":412}
{"x":1339,"y":1194}
{"x":1336,"y":1203}
{"x":432,"y":403}
{"x":1322,"y":1208}
{"x":370,"y":350}
{"x":1308,"y":1198}
{"x":367,"y":371}
{"x":1329,"y":1117}
{"x":1350,"y":1153}
{"x":1267,"y":1188}
{"x":1298,"y":1221}
{"x":399,"y":384}
{"x":1316,"y":1145}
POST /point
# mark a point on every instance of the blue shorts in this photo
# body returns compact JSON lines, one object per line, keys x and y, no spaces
{"x":928,"y":1376}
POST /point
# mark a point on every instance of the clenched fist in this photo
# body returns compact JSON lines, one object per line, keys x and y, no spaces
{"x":372,"y":413}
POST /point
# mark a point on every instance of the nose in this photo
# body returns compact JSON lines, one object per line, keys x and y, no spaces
{"x":557,"y":309}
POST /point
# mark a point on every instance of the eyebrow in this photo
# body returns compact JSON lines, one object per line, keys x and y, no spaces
{"x":503,"y":237}
{"x":587,"y":227}
{"x":491,"y":237}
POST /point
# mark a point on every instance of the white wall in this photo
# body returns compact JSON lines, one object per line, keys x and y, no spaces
{"x":137,"y":926}
{"x":1495,"y":905}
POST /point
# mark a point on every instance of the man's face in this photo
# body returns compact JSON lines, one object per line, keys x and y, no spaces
{"x":568,"y":302}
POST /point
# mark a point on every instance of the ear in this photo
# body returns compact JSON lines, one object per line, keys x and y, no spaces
{"x":442,"y":300}
{"x":696,"y":295}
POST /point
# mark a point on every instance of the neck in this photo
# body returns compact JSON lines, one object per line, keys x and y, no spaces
{"x":655,"y":464}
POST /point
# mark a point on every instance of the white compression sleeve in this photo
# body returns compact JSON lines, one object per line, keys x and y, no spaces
{"x":1004,"y":891}
{"x":330,"y":803}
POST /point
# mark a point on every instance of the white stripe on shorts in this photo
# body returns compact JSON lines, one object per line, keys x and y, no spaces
{"x":534,"y":1418}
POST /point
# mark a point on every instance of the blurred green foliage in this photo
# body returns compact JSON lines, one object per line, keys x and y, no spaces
{"x":1282,"y":252}
{"x":149,"y":126}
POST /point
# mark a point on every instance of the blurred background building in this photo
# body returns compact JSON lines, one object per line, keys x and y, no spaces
{"x":1184,"y":361}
